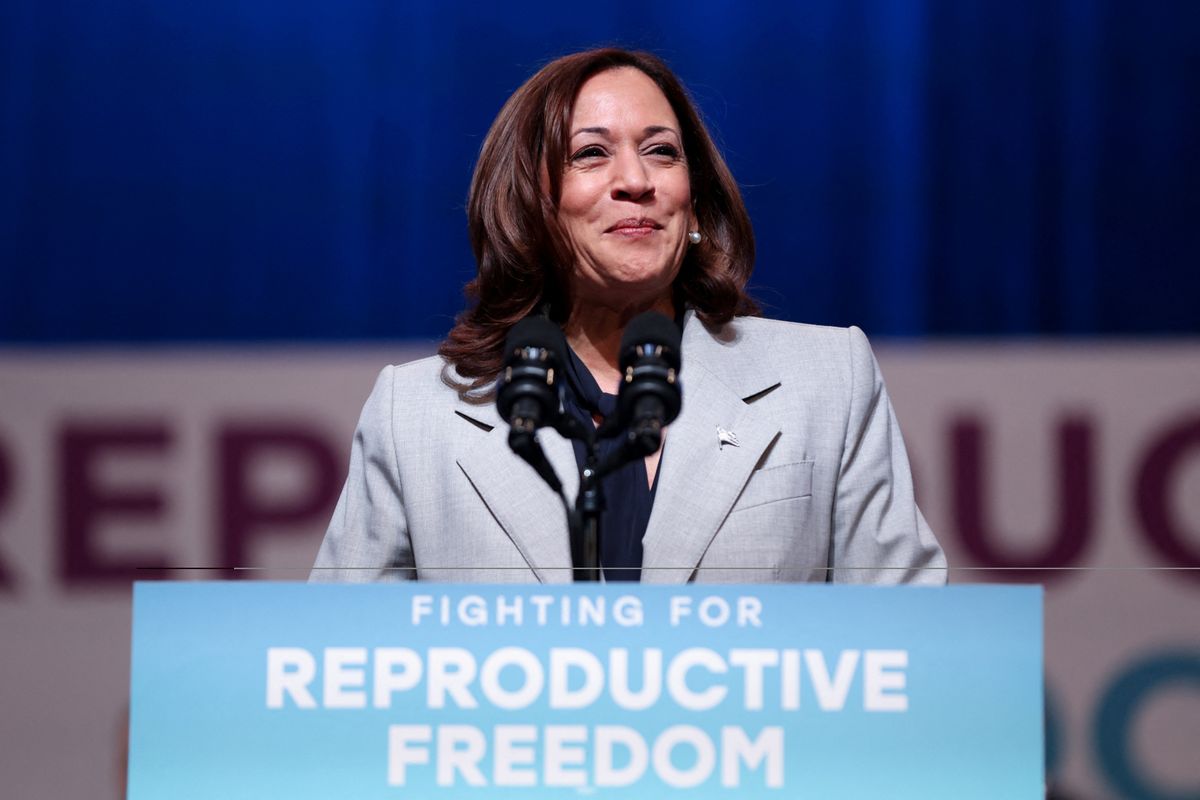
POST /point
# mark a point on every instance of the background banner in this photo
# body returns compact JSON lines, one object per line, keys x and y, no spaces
{"x":1075,"y":467}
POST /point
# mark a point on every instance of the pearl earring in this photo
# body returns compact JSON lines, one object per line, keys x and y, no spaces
{"x":694,"y":237}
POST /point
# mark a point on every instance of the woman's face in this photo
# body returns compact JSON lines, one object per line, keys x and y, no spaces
{"x":626,"y":201}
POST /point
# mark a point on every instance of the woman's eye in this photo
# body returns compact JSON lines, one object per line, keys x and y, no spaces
{"x":668,"y":150}
{"x":592,"y":151}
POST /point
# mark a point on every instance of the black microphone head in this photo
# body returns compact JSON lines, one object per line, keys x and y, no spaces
{"x":649,"y":363}
{"x":533,"y":332}
{"x":527,"y":396}
{"x":651,"y":328}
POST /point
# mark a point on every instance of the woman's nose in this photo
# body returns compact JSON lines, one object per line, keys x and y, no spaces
{"x":632,"y":180}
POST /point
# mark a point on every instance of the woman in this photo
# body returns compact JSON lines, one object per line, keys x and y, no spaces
{"x":599,"y":195}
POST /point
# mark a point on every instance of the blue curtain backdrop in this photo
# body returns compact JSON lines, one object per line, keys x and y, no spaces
{"x":229,"y":170}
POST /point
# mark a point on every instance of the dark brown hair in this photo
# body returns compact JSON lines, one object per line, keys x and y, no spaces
{"x":523,"y":255}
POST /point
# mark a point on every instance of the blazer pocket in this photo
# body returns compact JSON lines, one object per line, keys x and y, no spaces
{"x":773,"y":484}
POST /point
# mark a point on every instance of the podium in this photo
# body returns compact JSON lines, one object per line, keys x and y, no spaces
{"x":282,"y":690}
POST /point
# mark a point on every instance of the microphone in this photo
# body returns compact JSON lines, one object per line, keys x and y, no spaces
{"x":649,"y":397}
{"x":528,"y":395}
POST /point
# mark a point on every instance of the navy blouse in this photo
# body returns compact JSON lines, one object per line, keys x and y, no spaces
{"x":628,"y":499}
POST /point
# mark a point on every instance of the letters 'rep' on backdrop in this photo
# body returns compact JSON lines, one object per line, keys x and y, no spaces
{"x":314,"y":691}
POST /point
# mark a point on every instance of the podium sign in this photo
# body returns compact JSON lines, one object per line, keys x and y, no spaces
{"x":257,"y":690}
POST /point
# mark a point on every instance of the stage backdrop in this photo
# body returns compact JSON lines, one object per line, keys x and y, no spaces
{"x":198,"y":180}
{"x":240,"y":170}
{"x":1076,"y":467}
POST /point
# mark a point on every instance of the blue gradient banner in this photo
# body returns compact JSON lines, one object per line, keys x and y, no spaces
{"x":252,"y":690}
{"x":225,"y":171}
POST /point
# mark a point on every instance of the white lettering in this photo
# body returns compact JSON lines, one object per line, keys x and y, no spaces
{"x":609,"y":736}
{"x":681,"y":606}
{"x":754,"y":662}
{"x":400,"y":752}
{"x":789,"y":681}
{"x":290,"y":670}
{"x":591,"y":610}
{"x":513,"y":760}
{"x":472,"y":610}
{"x":516,"y":610}
{"x":541,"y":602}
{"x":618,"y":671}
{"x":397,"y":669}
{"x":422,"y":606}
{"x":884,"y":672}
{"x":345,"y":677}
{"x":563,"y":660}
{"x":677,"y":679}
{"x":450,"y":672}
{"x":682,"y":756}
{"x":706,"y":757}
{"x":531,"y":685}
{"x":831,"y":694}
{"x":465,"y":759}
{"x":736,"y":746}
{"x":749,"y":611}
{"x":564,"y":755}
{"x":627,"y":611}
{"x":714,"y":611}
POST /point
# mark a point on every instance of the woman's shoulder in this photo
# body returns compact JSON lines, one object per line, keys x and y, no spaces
{"x":782,"y":328}
{"x":419,"y":375}
{"x":797,"y":339}
{"x":425,"y":381}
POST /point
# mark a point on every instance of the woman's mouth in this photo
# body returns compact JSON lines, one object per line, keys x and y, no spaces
{"x":635,"y":227}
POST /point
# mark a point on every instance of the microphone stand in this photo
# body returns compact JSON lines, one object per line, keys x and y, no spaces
{"x":589,"y":505}
{"x":584,"y":520}
{"x":644,"y":438}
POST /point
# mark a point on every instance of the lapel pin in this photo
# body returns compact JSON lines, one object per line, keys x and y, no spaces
{"x":726,"y":437}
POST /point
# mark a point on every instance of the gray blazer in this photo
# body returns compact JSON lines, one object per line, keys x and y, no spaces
{"x":817,"y":487}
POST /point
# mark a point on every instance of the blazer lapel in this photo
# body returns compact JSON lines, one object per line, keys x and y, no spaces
{"x":526,"y":508}
{"x":701,"y":477}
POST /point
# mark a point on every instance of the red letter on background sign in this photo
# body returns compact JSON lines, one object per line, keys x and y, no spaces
{"x":1074,"y":525}
{"x":6,"y":481}
{"x":241,"y":512}
{"x":1154,"y":477}
{"x":84,"y":500}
